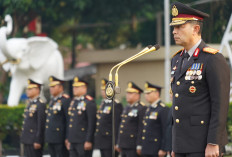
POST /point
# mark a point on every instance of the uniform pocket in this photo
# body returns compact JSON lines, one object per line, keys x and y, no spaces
{"x":199,"y":120}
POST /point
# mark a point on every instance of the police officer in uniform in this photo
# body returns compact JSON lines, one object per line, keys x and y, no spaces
{"x":103,"y":133}
{"x":82,"y":122}
{"x":155,"y":123}
{"x":200,"y":83}
{"x":34,"y":122}
{"x":57,"y":119}
{"x":131,"y":126}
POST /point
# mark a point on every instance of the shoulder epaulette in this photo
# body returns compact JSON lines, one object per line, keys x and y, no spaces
{"x":162,"y":104}
{"x":142,"y":103}
{"x":66,"y":95}
{"x":177,"y":52}
{"x":116,"y":100}
{"x":89,"y":97}
{"x":41,"y":101}
{"x":210,"y":50}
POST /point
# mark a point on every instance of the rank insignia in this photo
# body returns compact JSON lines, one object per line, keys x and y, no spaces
{"x":192,"y":89}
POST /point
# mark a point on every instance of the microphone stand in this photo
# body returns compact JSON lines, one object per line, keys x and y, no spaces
{"x":112,"y":87}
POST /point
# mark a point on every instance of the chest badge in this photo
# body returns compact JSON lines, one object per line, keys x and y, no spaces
{"x":192,"y":89}
{"x":153,"y":115}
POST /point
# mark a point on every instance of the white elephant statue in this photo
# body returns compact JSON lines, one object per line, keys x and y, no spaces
{"x":36,"y":58}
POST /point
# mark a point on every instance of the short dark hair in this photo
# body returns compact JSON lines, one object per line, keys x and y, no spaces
{"x":200,"y":23}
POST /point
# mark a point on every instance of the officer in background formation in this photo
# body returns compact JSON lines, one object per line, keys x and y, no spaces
{"x":82,"y":122}
{"x":155,"y":123}
{"x":200,"y":83}
{"x":34,"y":122}
{"x":57,"y":119}
{"x":130,"y":130}
{"x":103,"y":133}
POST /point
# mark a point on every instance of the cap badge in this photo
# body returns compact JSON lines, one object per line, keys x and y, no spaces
{"x":28,"y":81}
{"x":103,"y":82}
{"x":130,"y":85}
{"x":174,"y":11}
{"x":50,"y":79}
{"x":76,"y":79}
{"x":146,"y":85}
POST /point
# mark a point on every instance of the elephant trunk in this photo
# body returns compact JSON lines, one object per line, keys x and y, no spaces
{"x":4,"y":31}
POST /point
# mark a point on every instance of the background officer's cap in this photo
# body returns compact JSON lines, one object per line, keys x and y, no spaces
{"x":33,"y":84}
{"x":151,"y":88}
{"x":182,"y":13}
{"x":133,"y":88}
{"x":53,"y":81}
{"x":103,"y":83}
{"x":77,"y":82}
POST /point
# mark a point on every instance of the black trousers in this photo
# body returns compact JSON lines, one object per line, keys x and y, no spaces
{"x":77,"y":150}
{"x":57,"y":150}
{"x":129,"y":153}
{"x":108,"y":153}
{"x":149,"y":155}
{"x":29,"y":151}
{"x":202,"y":154}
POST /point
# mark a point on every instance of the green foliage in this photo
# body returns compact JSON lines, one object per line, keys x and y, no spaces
{"x":11,"y":119}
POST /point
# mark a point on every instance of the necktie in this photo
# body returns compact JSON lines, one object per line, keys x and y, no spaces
{"x":185,"y":60}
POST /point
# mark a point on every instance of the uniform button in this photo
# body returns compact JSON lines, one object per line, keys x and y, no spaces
{"x":121,"y":126}
{"x":82,"y":129}
{"x":57,"y":129}
{"x":176,"y":107}
{"x":202,"y":122}
{"x":49,"y":114}
{"x":31,"y":130}
{"x":131,"y":136}
{"x":176,"y":95}
{"x":155,"y":140}
{"x":123,"y":121}
{"x":145,"y":124}
{"x":22,"y":128}
{"x":177,"y":121}
{"x":178,"y":83}
{"x":107,"y":133}
{"x":46,"y":111}
{"x":71,"y":120}
{"x":192,"y":82}
{"x":70,"y":125}
{"x":143,"y":138}
{"x":144,"y":130}
{"x":97,"y":123}
{"x":125,"y":116}
{"x":97,"y":130}
{"x":23,"y":122}
{"x":121,"y":131}
{"x":146,"y":117}
{"x":46,"y":126}
{"x":47,"y":120}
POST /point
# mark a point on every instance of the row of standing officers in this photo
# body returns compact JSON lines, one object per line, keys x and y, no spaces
{"x":74,"y":127}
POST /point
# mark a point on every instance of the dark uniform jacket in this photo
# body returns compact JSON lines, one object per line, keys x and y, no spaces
{"x":82,"y":122}
{"x":103,"y":133}
{"x":131,"y":126}
{"x":154,"y":129}
{"x":34,"y":122}
{"x":57,"y":119}
{"x":200,"y":100}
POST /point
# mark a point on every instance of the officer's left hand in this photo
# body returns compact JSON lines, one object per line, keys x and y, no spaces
{"x":212,"y":150}
{"x":161,"y":153}
{"x":87,"y":146}
{"x":37,"y":146}
{"x":139,"y":152}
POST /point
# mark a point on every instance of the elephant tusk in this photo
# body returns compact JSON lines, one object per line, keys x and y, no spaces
{"x":15,"y":61}
{"x":6,"y":61}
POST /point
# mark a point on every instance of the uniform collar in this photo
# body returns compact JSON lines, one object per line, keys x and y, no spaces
{"x":107,"y":101}
{"x":192,"y":50}
{"x":80,"y":98}
{"x":57,"y":97}
{"x":155,"y":104}
{"x":34,"y":100}
{"x":135,"y":104}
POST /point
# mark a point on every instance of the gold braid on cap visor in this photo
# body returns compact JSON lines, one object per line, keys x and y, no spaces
{"x":132,"y":90}
{"x":78,"y":84}
{"x":32,"y":86}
